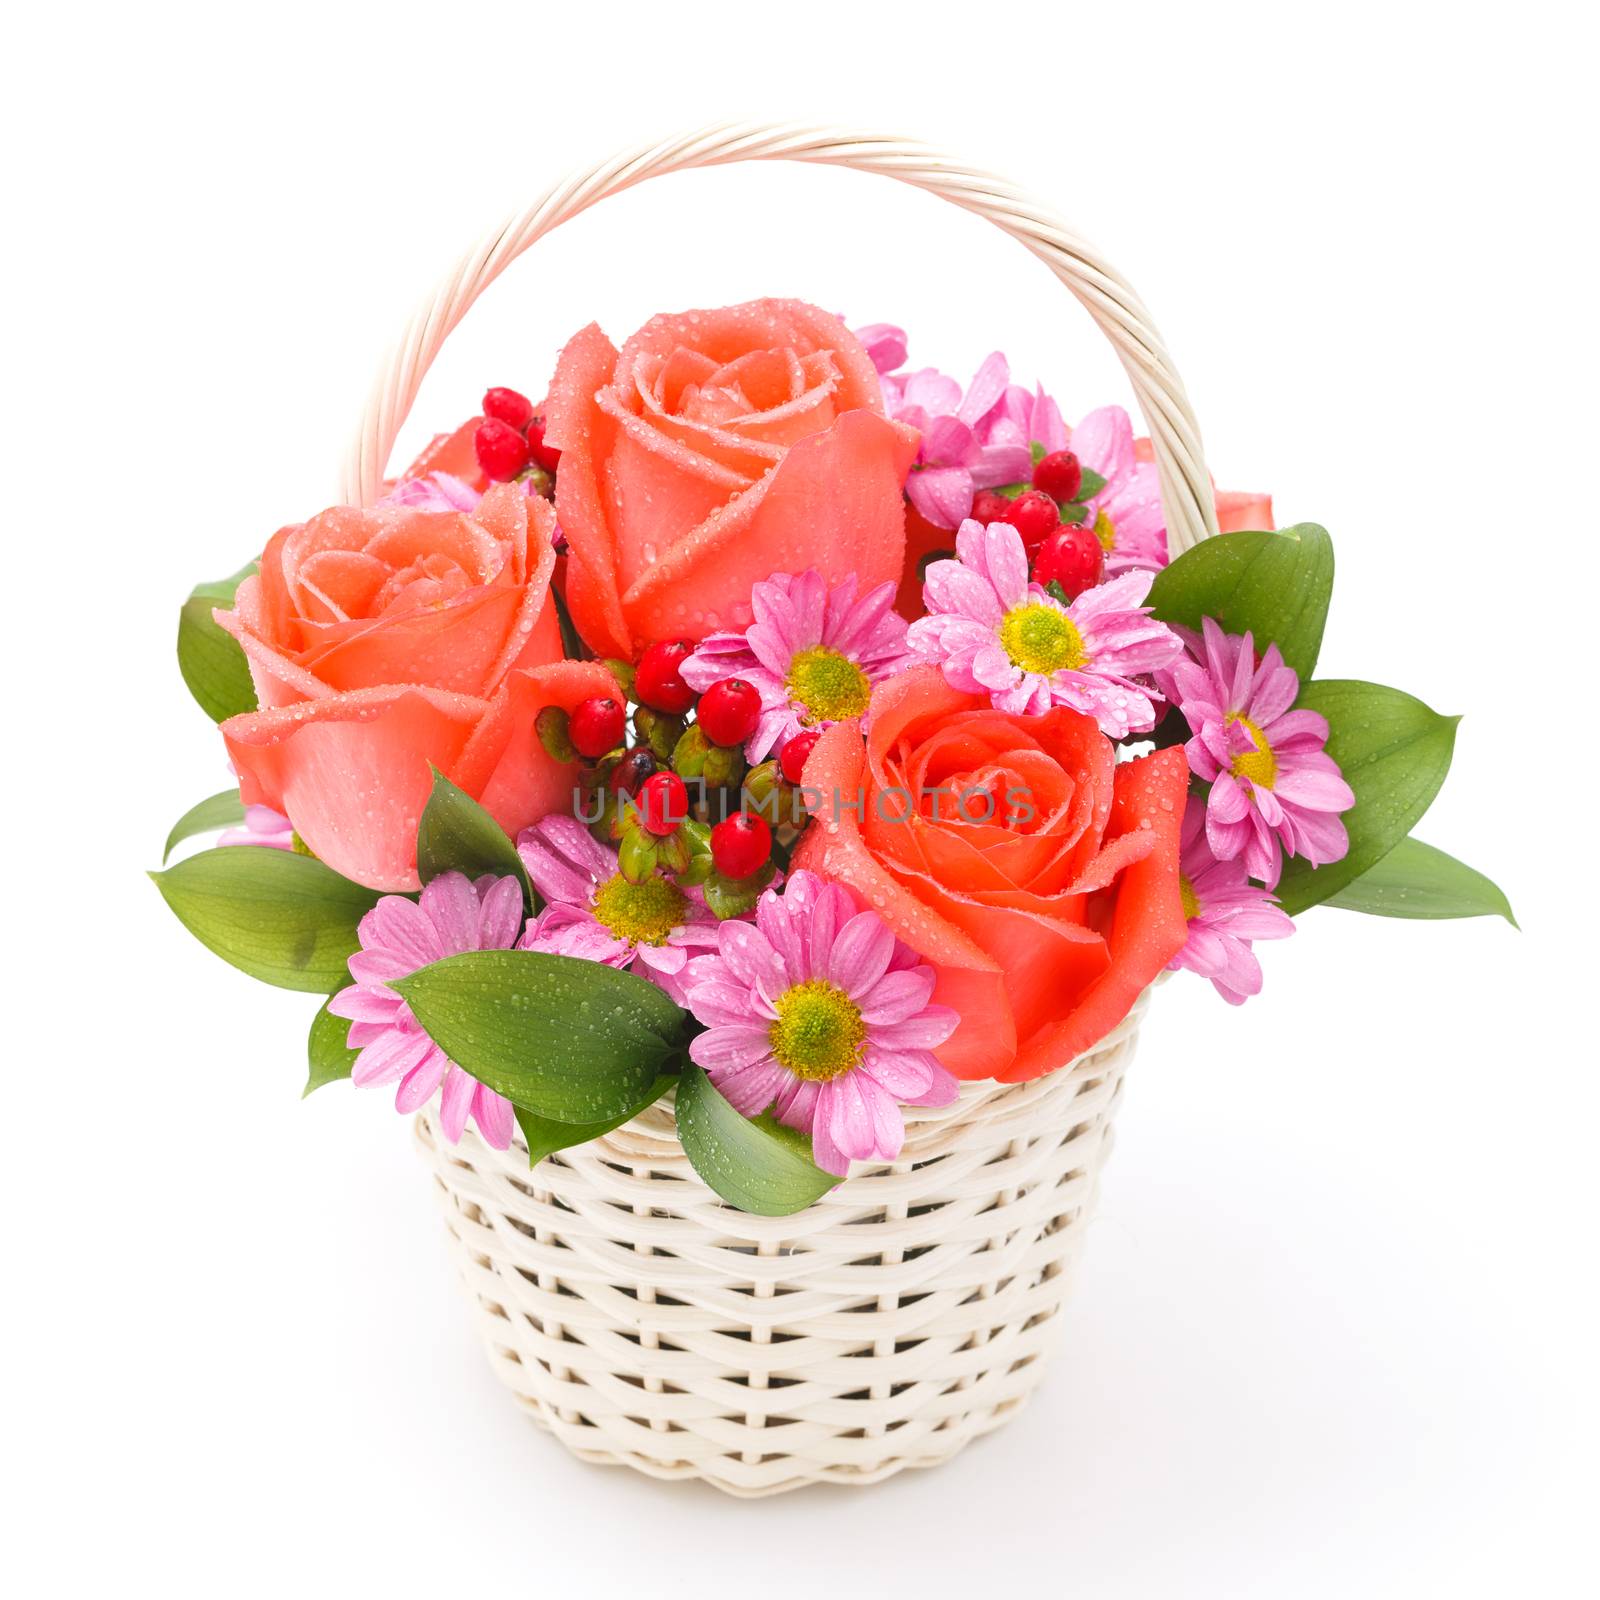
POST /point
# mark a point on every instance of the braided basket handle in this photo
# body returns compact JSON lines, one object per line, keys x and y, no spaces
{"x":1185,"y":486}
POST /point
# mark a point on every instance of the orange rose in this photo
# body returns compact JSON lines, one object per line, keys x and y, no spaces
{"x":717,"y":448}
{"x":1037,"y":874}
{"x":388,"y":642}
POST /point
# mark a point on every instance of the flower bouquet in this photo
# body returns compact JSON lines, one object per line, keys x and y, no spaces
{"x":740,"y":802}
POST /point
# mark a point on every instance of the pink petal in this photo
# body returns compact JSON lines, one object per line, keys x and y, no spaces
{"x":418,"y":1085}
{"x":455,"y":1102}
{"x":751,"y":1089}
{"x":730,"y":1047}
{"x":500,"y":915}
{"x":1318,"y":788}
{"x":360,"y":1004}
{"x":495,"y":1117}
{"x":451,"y":903}
{"x":390,"y":1057}
{"x":943,"y":495}
{"x":402,"y":926}
{"x":861,"y":953}
{"x":844,"y":1111}
{"x":898,"y":996}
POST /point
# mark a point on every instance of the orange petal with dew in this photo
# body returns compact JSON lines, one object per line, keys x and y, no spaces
{"x":505,"y":767}
{"x":585,"y":435}
{"x":969,"y":981}
{"x":1143,"y":910}
{"x":728,"y":333}
{"x":832,"y":503}
{"x":353,"y":771}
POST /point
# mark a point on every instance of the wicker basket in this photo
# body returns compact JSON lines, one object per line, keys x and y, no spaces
{"x":637,"y":1316}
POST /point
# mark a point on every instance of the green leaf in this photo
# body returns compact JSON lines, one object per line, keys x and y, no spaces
{"x":1415,"y":880}
{"x":457,"y":835}
{"x":565,"y":1038}
{"x":225,"y":810}
{"x":209,"y":656}
{"x":1092,"y":484}
{"x":1275,"y":586}
{"x":545,"y":1135}
{"x":1394,"y":752}
{"x":283,"y":918}
{"x":755,"y":1164}
{"x":331,"y":1058}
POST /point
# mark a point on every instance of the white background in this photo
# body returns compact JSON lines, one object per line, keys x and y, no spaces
{"x":1334,"y":1333}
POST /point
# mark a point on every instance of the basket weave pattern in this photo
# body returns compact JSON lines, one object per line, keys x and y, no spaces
{"x":645,"y":1322}
{"x":637,"y":1316}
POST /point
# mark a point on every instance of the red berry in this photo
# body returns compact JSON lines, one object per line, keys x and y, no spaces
{"x":987,"y":507}
{"x":502,"y":451}
{"x":728,"y":711}
{"x":658,"y":681}
{"x":740,"y":845}
{"x":792,"y":763}
{"x":1059,"y":475}
{"x":632,"y":770}
{"x":596,"y":725}
{"x":663,"y":803}
{"x":1034,"y":516}
{"x":509,"y":407}
{"x":546,"y":455}
{"x":1072,"y":557}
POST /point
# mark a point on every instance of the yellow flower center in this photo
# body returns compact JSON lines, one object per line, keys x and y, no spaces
{"x":1041,"y":638}
{"x":829,"y":686}
{"x":1260,"y":766}
{"x":819,"y":1033}
{"x":641,"y":913}
{"x":1191,"y":901}
{"x":1105,"y":530}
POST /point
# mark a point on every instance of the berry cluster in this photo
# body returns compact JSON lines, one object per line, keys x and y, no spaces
{"x":509,"y":442}
{"x":1052,"y":516}
{"x":669,"y":785}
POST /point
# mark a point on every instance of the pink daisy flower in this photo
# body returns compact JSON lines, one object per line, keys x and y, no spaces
{"x":977,"y":439}
{"x":813,"y":655}
{"x":1126,"y":514}
{"x":1225,"y":912}
{"x":994,"y":632}
{"x":1273,"y":786}
{"x":593,"y":912}
{"x":399,"y":935}
{"x":262,"y":825}
{"x":817,"y":1010}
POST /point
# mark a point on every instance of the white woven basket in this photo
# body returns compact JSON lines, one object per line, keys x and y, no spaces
{"x":637,"y":1316}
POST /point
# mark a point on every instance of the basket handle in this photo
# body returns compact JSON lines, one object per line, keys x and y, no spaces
{"x":1175,"y":435}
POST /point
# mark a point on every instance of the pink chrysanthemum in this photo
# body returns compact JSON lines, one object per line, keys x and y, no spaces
{"x":1225,"y":912}
{"x":813,"y":655}
{"x":1126,"y":514}
{"x":974,"y":440}
{"x":594,"y":913}
{"x":262,"y":825}
{"x":993,"y":632}
{"x":398,"y":936}
{"x":820,"y":1012}
{"x":1273,"y":786}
